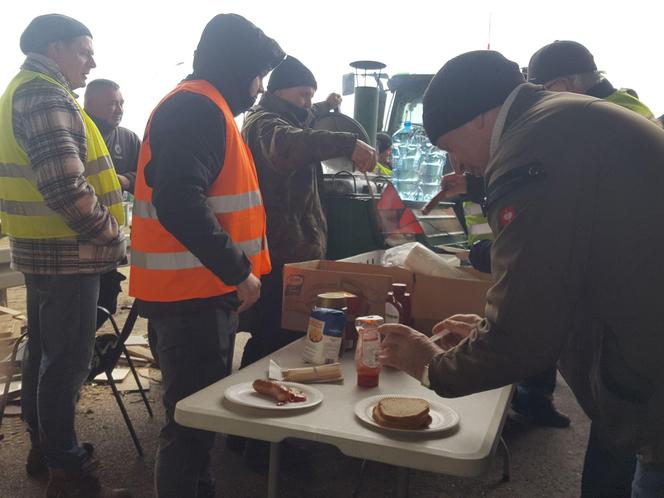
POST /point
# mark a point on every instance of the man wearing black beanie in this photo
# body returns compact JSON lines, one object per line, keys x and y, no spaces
{"x":288,"y":155}
{"x":554,"y":165}
{"x":533,"y":398}
{"x":61,"y":205}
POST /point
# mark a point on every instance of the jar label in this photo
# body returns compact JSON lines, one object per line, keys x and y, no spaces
{"x":370,"y":350}
{"x":391,"y":313}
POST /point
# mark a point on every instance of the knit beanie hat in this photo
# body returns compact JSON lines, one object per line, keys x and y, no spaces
{"x":465,"y":87}
{"x":383,"y":141}
{"x":50,"y":28}
{"x":291,"y":73}
{"x":560,"y":58}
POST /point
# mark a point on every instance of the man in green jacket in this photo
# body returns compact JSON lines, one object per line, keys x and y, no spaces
{"x":555,"y":166}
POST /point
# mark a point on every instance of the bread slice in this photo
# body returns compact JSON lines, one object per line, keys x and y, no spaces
{"x":399,"y":409}
{"x":402,"y":413}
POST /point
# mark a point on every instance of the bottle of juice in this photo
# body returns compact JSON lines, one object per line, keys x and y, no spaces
{"x":368,"y":347}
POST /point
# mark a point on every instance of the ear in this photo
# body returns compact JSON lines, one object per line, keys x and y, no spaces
{"x":485,"y":122}
{"x":53,"y":50}
{"x":479,"y":122}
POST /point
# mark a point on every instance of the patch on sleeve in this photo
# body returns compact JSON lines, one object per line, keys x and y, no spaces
{"x":506,"y":215}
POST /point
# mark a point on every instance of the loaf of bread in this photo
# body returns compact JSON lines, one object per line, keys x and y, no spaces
{"x":402,"y":413}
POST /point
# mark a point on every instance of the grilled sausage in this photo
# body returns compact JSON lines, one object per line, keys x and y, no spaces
{"x":269,"y":388}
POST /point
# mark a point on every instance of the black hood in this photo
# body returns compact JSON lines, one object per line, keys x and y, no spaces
{"x":231,"y":53}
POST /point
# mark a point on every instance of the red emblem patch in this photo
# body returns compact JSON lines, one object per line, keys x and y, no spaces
{"x":506,"y":215}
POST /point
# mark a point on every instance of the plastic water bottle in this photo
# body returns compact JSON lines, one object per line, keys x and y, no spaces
{"x":405,"y":174}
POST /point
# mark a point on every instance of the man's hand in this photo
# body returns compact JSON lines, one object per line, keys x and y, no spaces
{"x":451,"y":186}
{"x":124,"y":182}
{"x":459,"y":327}
{"x":248,"y":292}
{"x":406,"y":349}
{"x":454,"y":185}
{"x":334,"y":101}
{"x":364,"y":156}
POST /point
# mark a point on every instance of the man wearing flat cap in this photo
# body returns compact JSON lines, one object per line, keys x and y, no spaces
{"x":288,"y":155}
{"x":61,"y":205}
{"x":558,"y":169}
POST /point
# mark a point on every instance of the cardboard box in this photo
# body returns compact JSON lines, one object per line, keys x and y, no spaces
{"x":433,"y":298}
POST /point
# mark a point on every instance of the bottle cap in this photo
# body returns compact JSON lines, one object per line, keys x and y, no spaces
{"x":368,"y":322}
{"x":336,"y":300}
{"x":399,"y":289}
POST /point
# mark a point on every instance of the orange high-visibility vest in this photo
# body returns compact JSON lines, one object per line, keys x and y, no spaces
{"x":162,"y":269}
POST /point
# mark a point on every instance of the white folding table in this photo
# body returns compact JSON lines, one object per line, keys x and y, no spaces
{"x":464,"y":451}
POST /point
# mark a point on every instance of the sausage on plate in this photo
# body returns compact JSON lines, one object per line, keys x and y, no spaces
{"x":269,"y":388}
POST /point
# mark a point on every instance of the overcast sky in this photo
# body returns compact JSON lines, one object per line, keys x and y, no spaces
{"x":147,"y":46}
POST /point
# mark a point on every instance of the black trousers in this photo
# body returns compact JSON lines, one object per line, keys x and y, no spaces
{"x":195,"y":350}
{"x":263,"y":320}
{"x":607,"y":473}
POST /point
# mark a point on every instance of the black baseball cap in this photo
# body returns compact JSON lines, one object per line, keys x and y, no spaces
{"x":560,"y":58}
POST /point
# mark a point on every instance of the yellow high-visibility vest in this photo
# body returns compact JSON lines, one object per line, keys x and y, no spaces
{"x":23,"y":212}
{"x":476,"y":222}
{"x":624,"y":99}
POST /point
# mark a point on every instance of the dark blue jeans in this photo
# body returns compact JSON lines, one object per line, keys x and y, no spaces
{"x":62,"y":314}
{"x":535,"y":392}
{"x":195,"y":350}
{"x":648,"y":481}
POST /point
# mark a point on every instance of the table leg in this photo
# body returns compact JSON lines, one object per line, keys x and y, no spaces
{"x":506,"y":460}
{"x":273,"y":476}
{"x":402,"y":482}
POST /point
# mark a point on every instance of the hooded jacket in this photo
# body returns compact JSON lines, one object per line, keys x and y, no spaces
{"x":187,"y":138}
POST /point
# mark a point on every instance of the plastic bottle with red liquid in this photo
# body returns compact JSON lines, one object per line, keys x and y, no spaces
{"x":368,"y":348}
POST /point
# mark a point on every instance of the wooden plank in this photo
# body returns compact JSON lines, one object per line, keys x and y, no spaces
{"x":18,"y":315}
{"x":141,"y":352}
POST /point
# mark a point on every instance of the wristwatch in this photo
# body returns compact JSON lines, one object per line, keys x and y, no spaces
{"x":425,"y":377}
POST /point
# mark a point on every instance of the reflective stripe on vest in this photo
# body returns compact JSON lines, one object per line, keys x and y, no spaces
{"x":479,"y":229}
{"x":23,"y":212}
{"x":162,"y":269}
{"x":218,"y":204}
{"x":185,"y":259}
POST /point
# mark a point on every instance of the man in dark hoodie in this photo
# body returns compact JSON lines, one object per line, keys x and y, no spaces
{"x":198,"y":234}
{"x":288,"y":154}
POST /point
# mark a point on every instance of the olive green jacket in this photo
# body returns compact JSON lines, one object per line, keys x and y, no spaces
{"x":578,"y":280}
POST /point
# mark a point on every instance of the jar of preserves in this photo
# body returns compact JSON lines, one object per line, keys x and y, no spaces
{"x":368,"y":347}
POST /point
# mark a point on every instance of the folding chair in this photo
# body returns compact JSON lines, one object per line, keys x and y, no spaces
{"x":13,"y":368}
{"x":108,"y":349}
